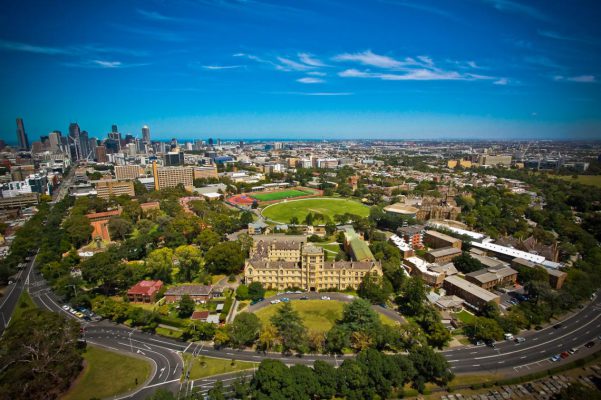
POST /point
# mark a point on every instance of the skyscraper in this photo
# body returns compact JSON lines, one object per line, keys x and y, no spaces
{"x":21,"y":135}
{"x":114,"y":129}
{"x":74,"y":144}
{"x":84,"y":144}
{"x":145,"y":134}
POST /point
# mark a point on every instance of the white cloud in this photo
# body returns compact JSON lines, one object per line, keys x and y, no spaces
{"x":415,"y":75}
{"x":316,"y":73}
{"x":30,"y":48}
{"x":108,"y":64}
{"x":155,"y":16}
{"x":293,"y":65}
{"x":218,"y":67}
{"x":501,"y":81}
{"x":578,"y":78}
{"x":327,"y":94}
{"x":517,"y":8}
{"x":310,"y":80}
{"x":310,"y":60}
{"x":369,"y":58}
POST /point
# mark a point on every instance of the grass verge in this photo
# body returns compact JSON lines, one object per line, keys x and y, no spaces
{"x":107,"y":374}
{"x":202,"y":366}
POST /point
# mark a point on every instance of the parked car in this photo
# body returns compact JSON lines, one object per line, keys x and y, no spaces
{"x":298,"y":292}
{"x":276,"y":301}
{"x":564,"y":354}
{"x":557,"y":326}
{"x":556,"y":357}
{"x":66,"y":307}
{"x":479,"y":343}
{"x":305,"y":298}
{"x":285,"y":299}
{"x":325,"y":298}
{"x":520,"y":339}
{"x":573,"y":350}
{"x":589,"y":344}
{"x":508,"y":336}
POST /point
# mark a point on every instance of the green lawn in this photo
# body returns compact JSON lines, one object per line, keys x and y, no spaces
{"x":593,"y":180}
{"x":328,"y":206}
{"x":464,"y":316}
{"x":330,"y":249}
{"x":207,"y":366}
{"x":24,"y":304}
{"x":107,"y":374}
{"x":285,"y":194}
{"x":317,"y":315}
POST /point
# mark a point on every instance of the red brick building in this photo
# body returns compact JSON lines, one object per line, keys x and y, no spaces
{"x":144,"y":291}
{"x":198,"y":293}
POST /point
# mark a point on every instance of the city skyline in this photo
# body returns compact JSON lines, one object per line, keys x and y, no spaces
{"x":481,"y":69}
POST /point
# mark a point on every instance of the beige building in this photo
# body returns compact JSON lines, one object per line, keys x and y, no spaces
{"x":165,"y":177}
{"x":126,"y":172}
{"x":436,"y":240}
{"x":107,"y":188}
{"x":205,"y":172}
{"x":281,"y":264}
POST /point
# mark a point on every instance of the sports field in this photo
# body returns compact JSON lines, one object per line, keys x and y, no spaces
{"x":283,"y":212}
{"x":285,"y":194}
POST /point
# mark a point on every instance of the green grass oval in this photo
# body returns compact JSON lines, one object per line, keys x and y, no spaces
{"x":284,"y":211}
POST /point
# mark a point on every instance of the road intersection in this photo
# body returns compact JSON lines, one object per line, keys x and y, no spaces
{"x":165,"y":354}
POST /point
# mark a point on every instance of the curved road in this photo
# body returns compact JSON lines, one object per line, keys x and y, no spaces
{"x":165,"y":354}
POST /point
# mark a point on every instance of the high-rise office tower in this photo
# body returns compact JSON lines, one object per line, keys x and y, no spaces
{"x":146,"y":134}
{"x":210,"y":141}
{"x":74,"y":144}
{"x":84,"y":144}
{"x":101,"y":154}
{"x":55,"y":140}
{"x":21,"y":135}
{"x":114,"y":129}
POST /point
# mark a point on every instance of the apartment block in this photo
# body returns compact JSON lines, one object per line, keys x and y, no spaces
{"x":126,"y":172}
{"x":107,"y":188}
{"x":165,"y":177}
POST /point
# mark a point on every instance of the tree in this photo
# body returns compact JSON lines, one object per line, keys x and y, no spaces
{"x":256,"y":291}
{"x":466,"y":263}
{"x":337,"y":339}
{"x":207,"y":239}
{"x":430,"y":367}
{"x":39,"y":356}
{"x":272,"y":381}
{"x":119,"y":228}
{"x":330,"y":228}
{"x":244,"y":330}
{"x":242,"y":292}
{"x":216,"y":392}
{"x":190,"y":260}
{"x":485,"y":329}
{"x":225,"y":257}
{"x":267,"y":338}
{"x":358,"y":316}
{"x":159,"y":264}
{"x":374,"y":288}
{"x":78,"y":229}
{"x":186,"y":306}
{"x":326,"y":376}
{"x":290,"y":328}
{"x":413,"y":296}
{"x":246,"y":218}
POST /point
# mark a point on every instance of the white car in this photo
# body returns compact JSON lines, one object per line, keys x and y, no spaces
{"x":325,"y":298}
{"x":276,"y":301}
{"x":66,"y":307}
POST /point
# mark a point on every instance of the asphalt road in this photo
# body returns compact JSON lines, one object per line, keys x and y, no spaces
{"x":10,"y":300}
{"x":165,"y":353}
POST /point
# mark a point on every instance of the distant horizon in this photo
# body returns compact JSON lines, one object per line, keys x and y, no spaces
{"x":395,"y":69}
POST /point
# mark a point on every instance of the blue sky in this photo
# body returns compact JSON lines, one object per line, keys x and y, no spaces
{"x":303,"y":69}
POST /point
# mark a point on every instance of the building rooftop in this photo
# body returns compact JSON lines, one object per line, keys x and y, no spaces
{"x":475,"y":290}
{"x":191,"y":290}
{"x":445,"y":251}
{"x":508,"y":251}
{"x":146,"y":288}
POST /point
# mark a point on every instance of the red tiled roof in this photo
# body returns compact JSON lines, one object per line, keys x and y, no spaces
{"x":199,"y":315}
{"x":104,"y":214}
{"x":147,"y":288}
